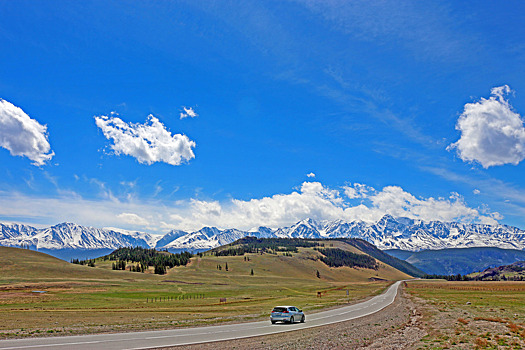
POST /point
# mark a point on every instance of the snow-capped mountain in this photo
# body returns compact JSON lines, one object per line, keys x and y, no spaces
{"x":70,"y":236}
{"x":387,"y":233}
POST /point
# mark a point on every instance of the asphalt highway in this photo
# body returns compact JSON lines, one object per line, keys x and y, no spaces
{"x":185,"y":336}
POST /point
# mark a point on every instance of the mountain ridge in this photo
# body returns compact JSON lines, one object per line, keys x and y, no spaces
{"x":386,"y":233}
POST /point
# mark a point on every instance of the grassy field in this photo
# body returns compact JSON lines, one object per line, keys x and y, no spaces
{"x":472,"y":315}
{"x":80,"y":299}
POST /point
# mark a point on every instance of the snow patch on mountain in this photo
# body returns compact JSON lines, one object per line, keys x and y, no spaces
{"x":70,"y":236}
{"x":386,"y":233}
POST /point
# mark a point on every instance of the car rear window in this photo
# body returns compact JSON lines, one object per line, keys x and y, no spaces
{"x":279,"y":309}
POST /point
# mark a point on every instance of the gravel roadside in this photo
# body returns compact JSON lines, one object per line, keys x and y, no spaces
{"x":395,"y":327}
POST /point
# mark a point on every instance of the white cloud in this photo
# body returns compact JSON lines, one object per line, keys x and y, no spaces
{"x":134,"y":219}
{"x":491,"y":132}
{"x":188,"y":112}
{"x":476,"y":191}
{"x":357,"y":190}
{"x":395,"y":201}
{"x":23,"y":136}
{"x":311,"y":200}
{"x":149,"y":142}
{"x":310,"y":175}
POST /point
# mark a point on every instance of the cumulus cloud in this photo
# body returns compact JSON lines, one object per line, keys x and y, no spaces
{"x":133,"y":219}
{"x":357,"y":190}
{"x":188,"y":112}
{"x":491,"y":132}
{"x":311,"y":200}
{"x":23,"y":136}
{"x":476,"y":191}
{"x":310,"y":175}
{"x":395,"y":201}
{"x":149,"y":142}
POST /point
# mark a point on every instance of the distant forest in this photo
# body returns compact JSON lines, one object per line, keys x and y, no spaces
{"x":263,"y":245}
{"x":334,"y":257}
{"x":141,"y":258}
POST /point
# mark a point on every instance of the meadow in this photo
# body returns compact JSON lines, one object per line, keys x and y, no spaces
{"x":471,"y":315}
{"x":40,"y":294}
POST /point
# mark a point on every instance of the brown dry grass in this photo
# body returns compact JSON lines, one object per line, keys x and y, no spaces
{"x":490,"y":317}
{"x":462,"y":320}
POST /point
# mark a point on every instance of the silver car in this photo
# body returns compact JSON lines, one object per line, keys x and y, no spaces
{"x":289,"y":314}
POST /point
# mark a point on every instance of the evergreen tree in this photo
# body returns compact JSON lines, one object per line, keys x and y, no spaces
{"x":226,"y":268}
{"x":251,"y":273}
{"x":160,"y":269}
{"x":318,"y":274}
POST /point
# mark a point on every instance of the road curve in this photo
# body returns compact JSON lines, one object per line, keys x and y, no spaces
{"x":185,"y":336}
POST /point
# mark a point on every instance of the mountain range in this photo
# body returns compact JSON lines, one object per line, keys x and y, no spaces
{"x":387,"y":233}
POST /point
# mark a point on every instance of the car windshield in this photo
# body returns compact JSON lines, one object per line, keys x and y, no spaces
{"x":279,"y":309}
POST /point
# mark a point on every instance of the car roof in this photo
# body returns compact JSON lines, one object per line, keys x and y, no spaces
{"x":285,"y":306}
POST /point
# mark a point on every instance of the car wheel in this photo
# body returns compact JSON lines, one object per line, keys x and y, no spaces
{"x":292,"y":320}
{"x":273,"y":322}
{"x":302,"y":319}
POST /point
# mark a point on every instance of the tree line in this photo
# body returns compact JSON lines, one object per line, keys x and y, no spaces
{"x":88,"y":262}
{"x":335,"y":257}
{"x":150,"y":256}
{"x":141,"y":259}
{"x":264,"y":245}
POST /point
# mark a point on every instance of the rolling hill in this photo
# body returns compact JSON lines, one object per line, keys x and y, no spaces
{"x":310,"y":251}
{"x":65,"y":298}
{"x":511,"y":272}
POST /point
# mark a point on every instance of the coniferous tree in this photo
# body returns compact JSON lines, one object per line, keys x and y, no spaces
{"x":160,"y":269}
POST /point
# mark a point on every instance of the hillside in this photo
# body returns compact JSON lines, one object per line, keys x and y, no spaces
{"x":29,"y":265}
{"x":512,"y":272}
{"x":460,"y":260}
{"x":306,"y":254}
{"x":212,"y":288}
{"x":380,"y":255}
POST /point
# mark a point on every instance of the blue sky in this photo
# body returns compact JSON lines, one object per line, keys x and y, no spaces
{"x":152,"y":116}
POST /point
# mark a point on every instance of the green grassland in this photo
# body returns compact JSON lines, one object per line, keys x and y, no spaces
{"x":471,"y":315}
{"x":80,"y":299}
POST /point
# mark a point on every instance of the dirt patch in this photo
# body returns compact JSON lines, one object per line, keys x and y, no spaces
{"x":18,"y":294}
{"x":44,"y":286}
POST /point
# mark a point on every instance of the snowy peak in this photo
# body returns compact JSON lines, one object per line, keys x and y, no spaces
{"x":169,"y":237}
{"x":261,"y":232}
{"x":72,"y":236}
{"x":8,"y":231}
{"x":386,"y":233}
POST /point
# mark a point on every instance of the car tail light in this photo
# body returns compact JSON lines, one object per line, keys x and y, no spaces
{"x":285,"y":311}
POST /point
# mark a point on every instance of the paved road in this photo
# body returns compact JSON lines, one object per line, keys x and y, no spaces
{"x":184,"y":336}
